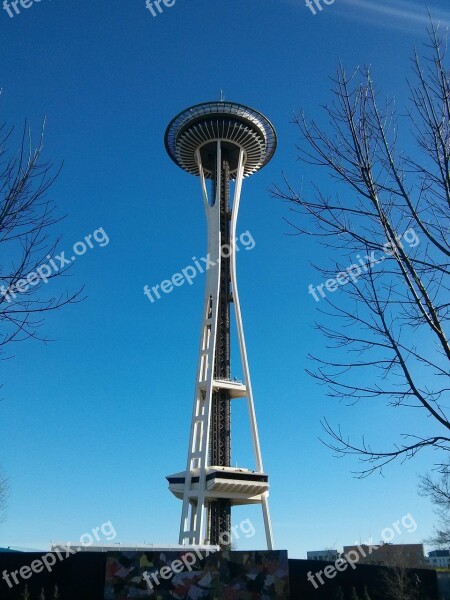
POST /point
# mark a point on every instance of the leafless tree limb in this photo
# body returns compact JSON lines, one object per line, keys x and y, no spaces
{"x":386,"y":300}
{"x":3,"y":496}
{"x":27,"y":220}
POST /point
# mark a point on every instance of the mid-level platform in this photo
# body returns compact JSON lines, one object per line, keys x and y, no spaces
{"x":241,"y":486}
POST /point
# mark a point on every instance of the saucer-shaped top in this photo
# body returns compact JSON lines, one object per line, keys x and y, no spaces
{"x":236,"y":125}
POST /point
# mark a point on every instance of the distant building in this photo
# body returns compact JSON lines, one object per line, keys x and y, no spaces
{"x":439,"y":559}
{"x":410,"y":556}
{"x":65,"y":546}
{"x":329,"y":555}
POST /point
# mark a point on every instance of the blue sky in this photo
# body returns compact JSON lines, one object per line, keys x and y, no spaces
{"x":91,"y":422}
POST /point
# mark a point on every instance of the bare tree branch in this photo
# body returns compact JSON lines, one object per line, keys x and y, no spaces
{"x":3,"y":497}
{"x":389,"y":270}
{"x":438,"y":491}
{"x":27,"y":220}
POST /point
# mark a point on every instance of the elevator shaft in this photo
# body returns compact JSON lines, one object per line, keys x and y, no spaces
{"x":220,"y":433}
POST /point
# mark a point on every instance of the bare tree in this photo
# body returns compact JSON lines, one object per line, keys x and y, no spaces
{"x":438,"y":491}
{"x":398,"y":581}
{"x":27,"y":243}
{"x":27,"y":218}
{"x":365,"y":594}
{"x":353,"y":594}
{"x":385,"y":305}
{"x":339,"y":594}
{"x":3,"y":496}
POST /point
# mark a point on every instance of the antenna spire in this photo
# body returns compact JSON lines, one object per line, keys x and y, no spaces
{"x":222,"y":96}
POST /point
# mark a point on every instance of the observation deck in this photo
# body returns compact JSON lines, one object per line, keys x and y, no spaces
{"x":236,"y":125}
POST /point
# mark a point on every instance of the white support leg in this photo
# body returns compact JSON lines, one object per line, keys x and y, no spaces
{"x":198,"y":455}
{"x":243,"y":349}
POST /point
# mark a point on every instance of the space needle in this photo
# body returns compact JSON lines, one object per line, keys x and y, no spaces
{"x":221,"y":143}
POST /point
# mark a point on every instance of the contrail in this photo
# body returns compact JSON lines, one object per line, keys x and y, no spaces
{"x":405,"y":15}
{"x":407,"y":12}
